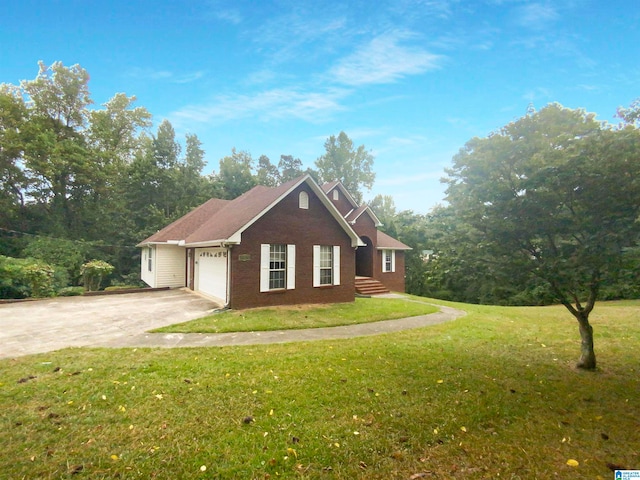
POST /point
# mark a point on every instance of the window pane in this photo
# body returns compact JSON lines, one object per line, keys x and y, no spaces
{"x":326,"y":254}
{"x":325,"y":276}
{"x":276,"y":279}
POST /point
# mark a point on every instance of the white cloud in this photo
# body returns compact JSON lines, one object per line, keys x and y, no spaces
{"x":384,"y":60}
{"x":267,"y":105}
{"x":165,"y":75}
{"x":536,"y":16}
{"x":231,"y":16}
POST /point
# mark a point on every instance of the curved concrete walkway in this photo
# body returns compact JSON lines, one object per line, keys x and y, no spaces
{"x":169,"y":340}
{"x":124,"y":321}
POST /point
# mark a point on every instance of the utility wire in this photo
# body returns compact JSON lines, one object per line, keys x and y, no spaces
{"x":90,"y":243}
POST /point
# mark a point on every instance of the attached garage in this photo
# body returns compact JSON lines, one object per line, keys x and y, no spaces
{"x":210,"y":272}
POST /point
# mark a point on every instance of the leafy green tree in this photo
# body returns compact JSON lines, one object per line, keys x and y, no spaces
{"x":13,"y":181}
{"x":236,"y":175}
{"x":353,"y":167}
{"x":191,"y":188}
{"x":631,"y":114}
{"x":385,"y":209}
{"x":555,"y":194}
{"x":60,"y":93}
{"x":57,"y":159}
{"x":67,"y":254}
{"x":267,"y":173}
{"x":115,"y":130}
{"x":290,"y":168}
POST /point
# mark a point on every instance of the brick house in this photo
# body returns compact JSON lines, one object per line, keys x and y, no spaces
{"x":292,"y":244}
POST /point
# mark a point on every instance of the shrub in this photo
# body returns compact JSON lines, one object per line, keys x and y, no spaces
{"x":12,"y":283}
{"x":40,"y":278}
{"x":94,"y":272}
{"x":71,"y":291}
{"x":27,"y":277}
{"x":66,"y":254}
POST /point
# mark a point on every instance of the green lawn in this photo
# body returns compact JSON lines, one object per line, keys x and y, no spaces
{"x":363,"y":310}
{"x":491,"y":395}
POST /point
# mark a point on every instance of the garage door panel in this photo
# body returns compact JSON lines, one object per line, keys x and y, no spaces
{"x":211,"y":272}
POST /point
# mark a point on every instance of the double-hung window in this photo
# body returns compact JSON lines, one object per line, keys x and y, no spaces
{"x":388,"y":261}
{"x":277,"y":267}
{"x":326,"y":265}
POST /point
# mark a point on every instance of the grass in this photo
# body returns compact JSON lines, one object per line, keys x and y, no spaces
{"x":492,"y":395}
{"x":363,"y":310}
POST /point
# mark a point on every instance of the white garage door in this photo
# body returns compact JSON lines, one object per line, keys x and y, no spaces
{"x":211,"y":272}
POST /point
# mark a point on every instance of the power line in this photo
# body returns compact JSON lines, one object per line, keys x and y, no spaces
{"x":90,"y":243}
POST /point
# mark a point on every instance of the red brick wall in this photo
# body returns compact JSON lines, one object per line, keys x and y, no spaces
{"x":342,"y":204}
{"x":394,"y":281}
{"x":287,"y":224}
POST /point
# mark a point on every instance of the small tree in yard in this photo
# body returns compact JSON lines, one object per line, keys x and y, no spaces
{"x":94,"y":272}
{"x":555,"y":194}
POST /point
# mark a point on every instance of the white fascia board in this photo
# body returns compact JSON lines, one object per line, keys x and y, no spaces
{"x":209,"y":243}
{"x":147,"y":244}
{"x":373,"y":216}
{"x":393,"y":248}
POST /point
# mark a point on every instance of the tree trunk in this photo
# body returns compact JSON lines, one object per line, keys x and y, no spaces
{"x":588,"y":356}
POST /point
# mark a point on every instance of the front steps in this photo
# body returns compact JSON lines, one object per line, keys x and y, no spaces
{"x":369,"y":286}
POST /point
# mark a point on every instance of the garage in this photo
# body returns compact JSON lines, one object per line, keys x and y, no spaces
{"x":211,"y":272}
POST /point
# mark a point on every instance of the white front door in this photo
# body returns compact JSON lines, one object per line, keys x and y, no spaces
{"x":211,"y":272}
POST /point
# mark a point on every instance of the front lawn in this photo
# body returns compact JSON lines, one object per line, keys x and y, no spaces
{"x":363,"y":310}
{"x":491,"y":395}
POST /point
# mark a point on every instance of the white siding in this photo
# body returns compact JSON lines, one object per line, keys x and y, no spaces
{"x":170,"y":266}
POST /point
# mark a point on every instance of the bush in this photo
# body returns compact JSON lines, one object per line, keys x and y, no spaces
{"x":12,"y":284}
{"x":94,"y":272}
{"x":70,"y":291}
{"x":40,"y":278}
{"x":27,"y":277}
{"x":66,"y":254}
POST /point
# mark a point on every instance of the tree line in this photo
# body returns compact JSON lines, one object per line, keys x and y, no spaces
{"x":544,"y":210}
{"x":80,"y":183}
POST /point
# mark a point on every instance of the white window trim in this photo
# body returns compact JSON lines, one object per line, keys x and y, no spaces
{"x":150,"y":259}
{"x":335,"y":274}
{"x":384,"y":261}
{"x":290,"y":267}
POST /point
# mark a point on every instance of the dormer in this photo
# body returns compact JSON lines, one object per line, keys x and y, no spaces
{"x":340,"y":197}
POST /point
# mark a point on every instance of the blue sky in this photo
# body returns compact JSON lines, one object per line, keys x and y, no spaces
{"x":412,"y":80}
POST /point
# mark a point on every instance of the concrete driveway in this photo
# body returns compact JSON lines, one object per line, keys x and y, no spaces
{"x":46,"y":325}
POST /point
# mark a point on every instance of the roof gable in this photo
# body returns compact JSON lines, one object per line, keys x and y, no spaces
{"x":223,"y":221}
{"x":353,"y":216}
{"x":327,"y":188}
